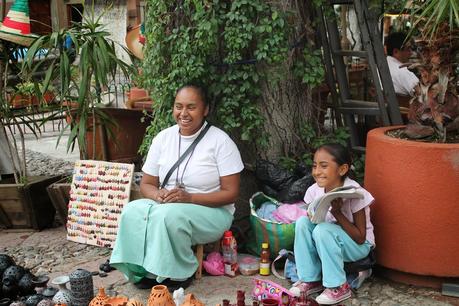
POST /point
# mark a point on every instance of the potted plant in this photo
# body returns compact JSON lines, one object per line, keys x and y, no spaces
{"x":413,"y":171}
{"x":24,"y":94}
{"x":102,"y":133}
{"x":96,"y":128}
{"x":24,"y":202}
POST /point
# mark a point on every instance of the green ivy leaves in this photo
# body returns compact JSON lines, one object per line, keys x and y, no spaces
{"x":219,"y":44}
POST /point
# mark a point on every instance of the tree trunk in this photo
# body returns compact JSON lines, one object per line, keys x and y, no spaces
{"x":287,"y":104}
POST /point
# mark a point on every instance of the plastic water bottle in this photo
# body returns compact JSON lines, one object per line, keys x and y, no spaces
{"x":229,"y":250}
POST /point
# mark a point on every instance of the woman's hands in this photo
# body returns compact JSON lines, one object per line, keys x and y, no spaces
{"x":176,"y":195}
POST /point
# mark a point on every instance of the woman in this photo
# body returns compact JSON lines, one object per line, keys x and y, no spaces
{"x":194,"y":207}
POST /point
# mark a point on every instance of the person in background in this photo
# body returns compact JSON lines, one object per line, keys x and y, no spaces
{"x":195,"y":206}
{"x":345,"y":236}
{"x":399,"y":51}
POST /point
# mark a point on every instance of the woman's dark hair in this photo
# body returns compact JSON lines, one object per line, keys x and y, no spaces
{"x":340,"y":154}
{"x":199,"y":89}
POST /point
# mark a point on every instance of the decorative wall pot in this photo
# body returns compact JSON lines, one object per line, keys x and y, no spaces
{"x":100,"y":298}
{"x":415,"y":186}
{"x":160,"y":296}
{"x":63,"y":296}
{"x":81,"y":286}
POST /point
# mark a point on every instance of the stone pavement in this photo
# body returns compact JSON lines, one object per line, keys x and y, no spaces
{"x":49,"y":252}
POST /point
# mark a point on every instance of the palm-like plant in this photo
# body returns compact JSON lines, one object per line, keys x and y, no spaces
{"x":434,"y":111}
{"x":97,"y":66}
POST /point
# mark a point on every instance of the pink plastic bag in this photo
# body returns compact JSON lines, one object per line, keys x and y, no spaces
{"x":289,"y":213}
{"x":214,"y":264}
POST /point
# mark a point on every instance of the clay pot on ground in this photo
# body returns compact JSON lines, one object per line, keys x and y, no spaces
{"x":415,"y":186}
{"x":160,"y":296}
{"x":81,"y":286}
{"x":116,"y":301}
{"x":133,"y":302}
{"x":33,"y":300}
{"x":63,"y":296}
{"x":99,"y":299}
{"x":191,"y":300}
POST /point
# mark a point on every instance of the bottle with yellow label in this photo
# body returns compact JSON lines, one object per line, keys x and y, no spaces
{"x":264,"y":259}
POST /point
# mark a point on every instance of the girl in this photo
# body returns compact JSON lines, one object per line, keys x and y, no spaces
{"x":345,"y":236}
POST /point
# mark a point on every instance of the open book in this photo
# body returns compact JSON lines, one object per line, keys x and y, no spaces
{"x":317,"y":209}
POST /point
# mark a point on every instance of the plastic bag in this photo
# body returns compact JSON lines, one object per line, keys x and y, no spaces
{"x":281,"y":184}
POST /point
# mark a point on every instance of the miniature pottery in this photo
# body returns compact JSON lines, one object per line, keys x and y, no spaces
{"x":82,"y":287}
{"x":160,"y":296}
{"x":40,"y":280}
{"x":5,"y":262}
{"x":26,"y":285}
{"x":63,"y":296}
{"x":33,"y":300}
{"x":49,"y":292}
{"x":190,"y":300}
{"x":116,"y":301}
{"x":133,"y":302}
{"x":45,"y":302}
{"x":100,"y":298}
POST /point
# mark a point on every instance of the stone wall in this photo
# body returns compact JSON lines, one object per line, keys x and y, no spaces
{"x":115,"y":20}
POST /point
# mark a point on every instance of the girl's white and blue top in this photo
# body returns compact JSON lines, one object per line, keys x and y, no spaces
{"x":349,"y":207}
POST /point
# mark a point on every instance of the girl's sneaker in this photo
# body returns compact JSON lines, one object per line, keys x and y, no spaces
{"x":332,"y":296}
{"x":308,"y":287}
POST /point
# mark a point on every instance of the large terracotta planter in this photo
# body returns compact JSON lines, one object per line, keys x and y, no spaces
{"x":127,"y":136}
{"x":416,"y":187}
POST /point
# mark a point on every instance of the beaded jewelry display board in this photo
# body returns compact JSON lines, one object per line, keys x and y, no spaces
{"x":98,"y":194}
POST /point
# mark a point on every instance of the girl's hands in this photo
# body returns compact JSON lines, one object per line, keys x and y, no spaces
{"x":336,"y":205}
{"x":177,"y":195}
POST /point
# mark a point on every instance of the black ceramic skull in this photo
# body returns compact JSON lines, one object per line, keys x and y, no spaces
{"x":26,"y":285}
{"x":13,"y":274}
{"x":5,"y":262}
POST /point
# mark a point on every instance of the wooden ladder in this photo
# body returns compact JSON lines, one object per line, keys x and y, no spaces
{"x":386,"y":109}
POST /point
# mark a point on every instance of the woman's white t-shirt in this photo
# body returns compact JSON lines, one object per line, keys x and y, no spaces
{"x":214,"y":156}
